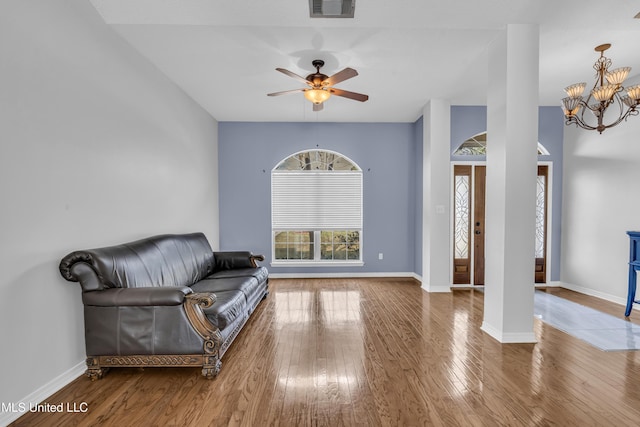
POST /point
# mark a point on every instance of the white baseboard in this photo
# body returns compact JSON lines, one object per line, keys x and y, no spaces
{"x":41,"y":394}
{"x":591,"y":292}
{"x":417,"y":277}
{"x":436,"y":289}
{"x":554,"y":284}
{"x":339,"y":275}
{"x":509,"y":337}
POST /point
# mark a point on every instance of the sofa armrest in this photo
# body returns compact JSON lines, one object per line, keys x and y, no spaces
{"x":194,"y":306}
{"x":137,"y":296}
{"x":235,"y":259}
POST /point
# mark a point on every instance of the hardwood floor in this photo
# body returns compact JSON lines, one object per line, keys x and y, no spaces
{"x":372,"y":352}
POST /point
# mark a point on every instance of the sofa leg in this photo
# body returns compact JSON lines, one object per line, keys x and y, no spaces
{"x":211,"y":367}
{"x":94,"y":371}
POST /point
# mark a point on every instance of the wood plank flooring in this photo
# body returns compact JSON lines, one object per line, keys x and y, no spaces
{"x":372,"y":352}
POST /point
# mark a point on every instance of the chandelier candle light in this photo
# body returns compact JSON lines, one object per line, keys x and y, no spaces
{"x":607,"y":91}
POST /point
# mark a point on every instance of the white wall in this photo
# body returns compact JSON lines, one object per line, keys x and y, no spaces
{"x":97,"y":147}
{"x":601,"y":201}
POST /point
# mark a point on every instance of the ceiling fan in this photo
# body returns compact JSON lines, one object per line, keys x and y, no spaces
{"x":321,"y":86}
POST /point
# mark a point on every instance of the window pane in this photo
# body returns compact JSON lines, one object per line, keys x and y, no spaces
{"x":353,"y":251}
{"x":313,"y":160}
{"x":305,"y":251}
{"x":281,"y":251}
{"x":353,"y":245}
{"x":301,"y":251}
{"x":340,"y":252}
{"x":326,"y":252}
{"x":292,"y":245}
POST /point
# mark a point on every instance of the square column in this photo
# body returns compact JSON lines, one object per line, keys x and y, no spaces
{"x":436,"y":179}
{"x":512,"y":129}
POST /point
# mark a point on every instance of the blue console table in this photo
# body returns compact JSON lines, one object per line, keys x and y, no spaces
{"x":634,"y":266}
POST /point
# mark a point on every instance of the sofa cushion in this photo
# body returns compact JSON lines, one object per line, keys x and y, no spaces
{"x":228,"y":306}
{"x":260,"y":273}
{"x":247,"y":285}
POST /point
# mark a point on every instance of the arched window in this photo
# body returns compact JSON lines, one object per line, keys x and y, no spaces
{"x":316,"y":209}
{"x":477,"y":146}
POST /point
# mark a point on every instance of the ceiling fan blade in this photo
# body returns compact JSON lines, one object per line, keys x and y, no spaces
{"x":351,"y":95}
{"x":340,"y":76}
{"x":318,"y":107}
{"x":294,"y":75}
{"x":285,"y":92}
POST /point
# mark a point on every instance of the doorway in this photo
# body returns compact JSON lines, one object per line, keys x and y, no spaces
{"x":469,"y":190}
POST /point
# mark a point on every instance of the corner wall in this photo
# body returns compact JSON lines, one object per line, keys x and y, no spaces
{"x":601,"y":202}
{"x":97,"y":147}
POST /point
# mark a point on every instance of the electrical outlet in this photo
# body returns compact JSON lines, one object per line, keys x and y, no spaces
{"x":380,"y":256}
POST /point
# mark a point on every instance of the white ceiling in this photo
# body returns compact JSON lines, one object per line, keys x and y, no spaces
{"x":224,"y":53}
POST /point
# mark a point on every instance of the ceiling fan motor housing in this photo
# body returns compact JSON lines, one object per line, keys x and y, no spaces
{"x":317,"y":78}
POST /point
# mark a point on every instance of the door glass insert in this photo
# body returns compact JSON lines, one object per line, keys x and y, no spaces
{"x":542,"y":189}
{"x":540,"y":216}
{"x":462,"y":217}
{"x":468,"y":224}
{"x":462,"y":224}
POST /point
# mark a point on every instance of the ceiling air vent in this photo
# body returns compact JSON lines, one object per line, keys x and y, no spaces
{"x":332,"y":8}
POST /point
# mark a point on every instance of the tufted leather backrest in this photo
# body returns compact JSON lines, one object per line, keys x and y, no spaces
{"x":165,"y":260}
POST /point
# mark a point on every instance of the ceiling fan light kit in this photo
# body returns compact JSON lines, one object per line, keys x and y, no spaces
{"x":321,"y":86}
{"x":606,"y":92}
{"x":317,"y":96}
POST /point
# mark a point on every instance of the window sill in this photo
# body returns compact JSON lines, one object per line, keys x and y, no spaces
{"x":354,"y":263}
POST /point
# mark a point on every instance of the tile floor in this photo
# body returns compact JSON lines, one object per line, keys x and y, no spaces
{"x":601,"y":330}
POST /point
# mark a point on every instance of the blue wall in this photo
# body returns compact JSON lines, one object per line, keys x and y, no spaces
{"x":390,"y":155}
{"x":386,"y":153}
{"x":467,"y":121}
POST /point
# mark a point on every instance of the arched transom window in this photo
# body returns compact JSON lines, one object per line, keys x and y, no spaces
{"x":316,"y":210}
{"x":477,"y":146}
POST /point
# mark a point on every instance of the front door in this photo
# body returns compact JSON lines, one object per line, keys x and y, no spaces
{"x":469,"y":186}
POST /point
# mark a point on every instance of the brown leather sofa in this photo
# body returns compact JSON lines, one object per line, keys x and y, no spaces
{"x":166,"y":300}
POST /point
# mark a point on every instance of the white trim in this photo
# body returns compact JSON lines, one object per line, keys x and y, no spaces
{"x":41,"y":394}
{"x":467,"y":286}
{"x":509,"y":337}
{"x":433,"y":289}
{"x":591,"y":292}
{"x":345,"y":275}
{"x":323,"y":264}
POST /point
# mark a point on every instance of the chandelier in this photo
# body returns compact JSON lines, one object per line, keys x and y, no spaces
{"x":607,"y":92}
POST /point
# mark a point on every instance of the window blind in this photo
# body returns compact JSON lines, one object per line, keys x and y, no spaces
{"x":316,"y":200}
